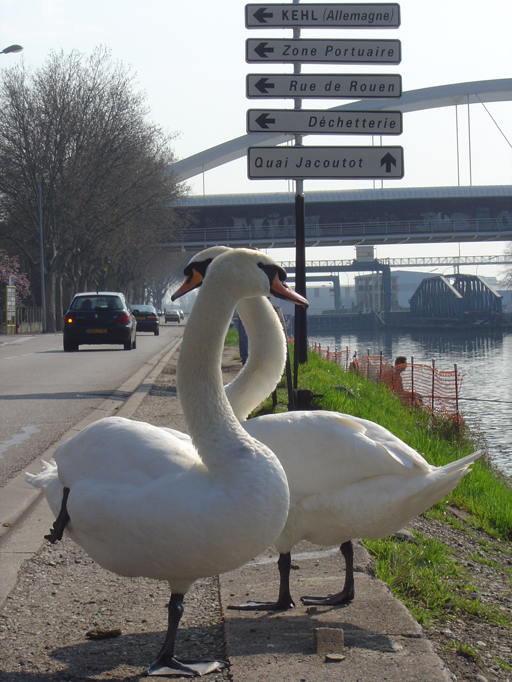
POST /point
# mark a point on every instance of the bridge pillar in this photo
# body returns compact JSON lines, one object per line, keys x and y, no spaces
{"x":386,"y":286}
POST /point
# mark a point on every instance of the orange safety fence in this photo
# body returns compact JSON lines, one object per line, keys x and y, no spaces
{"x":339,"y":357}
{"x":416,"y":384}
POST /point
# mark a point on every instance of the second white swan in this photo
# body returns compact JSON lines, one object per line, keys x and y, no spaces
{"x":348,"y":477}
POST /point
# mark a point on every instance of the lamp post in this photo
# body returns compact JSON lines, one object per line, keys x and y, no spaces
{"x":12,"y":48}
{"x":41,"y":253}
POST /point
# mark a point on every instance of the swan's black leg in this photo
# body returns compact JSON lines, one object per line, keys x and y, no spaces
{"x":284,"y":600}
{"x":347,"y":594}
{"x":60,"y":522}
{"x":166,"y":664}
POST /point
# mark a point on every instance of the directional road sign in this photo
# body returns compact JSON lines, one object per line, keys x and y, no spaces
{"x":300,"y":163}
{"x":320,"y":86}
{"x":322,"y":122}
{"x":324,"y":51}
{"x":365,"y":15}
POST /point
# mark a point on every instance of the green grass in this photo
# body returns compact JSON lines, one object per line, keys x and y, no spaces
{"x":428,"y":580}
{"x":231,"y":338}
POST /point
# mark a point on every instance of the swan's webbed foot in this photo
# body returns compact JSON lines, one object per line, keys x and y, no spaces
{"x":348,"y":591}
{"x":166,"y":663}
{"x":343,"y":597}
{"x":57,"y":530}
{"x":169,"y":666}
{"x":279,"y":605}
{"x":284,"y":600}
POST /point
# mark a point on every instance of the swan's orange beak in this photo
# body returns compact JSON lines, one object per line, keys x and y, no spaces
{"x":281,"y":290}
{"x":194,"y":280}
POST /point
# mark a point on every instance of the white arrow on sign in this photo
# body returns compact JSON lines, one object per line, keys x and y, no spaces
{"x":323,"y":51}
{"x":322,"y":122}
{"x":347,"y":15}
{"x":320,"y":86}
{"x":301,"y":163}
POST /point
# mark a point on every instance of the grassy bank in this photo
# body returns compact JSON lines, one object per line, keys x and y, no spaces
{"x":423,"y":572}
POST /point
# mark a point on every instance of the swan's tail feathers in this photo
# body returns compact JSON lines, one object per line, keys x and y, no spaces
{"x":48,"y":481}
{"x":44,"y":477}
{"x":462,"y":466}
{"x":443,"y":480}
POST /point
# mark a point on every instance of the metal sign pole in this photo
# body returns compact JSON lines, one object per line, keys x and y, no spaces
{"x":301,"y":331}
{"x":299,"y":163}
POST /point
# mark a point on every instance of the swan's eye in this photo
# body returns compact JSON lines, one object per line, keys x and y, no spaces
{"x":198,"y":266}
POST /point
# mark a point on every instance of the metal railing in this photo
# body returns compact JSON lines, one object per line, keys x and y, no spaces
{"x":344,"y":232}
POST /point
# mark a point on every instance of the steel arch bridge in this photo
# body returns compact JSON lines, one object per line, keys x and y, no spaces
{"x":456,"y":296}
{"x":498,"y":90}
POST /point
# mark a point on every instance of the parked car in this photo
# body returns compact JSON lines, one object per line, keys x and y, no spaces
{"x":100,"y":317}
{"x":172,"y":316}
{"x":181,"y":313}
{"x":147,"y":318}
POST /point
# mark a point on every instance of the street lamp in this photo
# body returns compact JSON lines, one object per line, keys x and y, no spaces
{"x":41,"y":254}
{"x":12,"y":48}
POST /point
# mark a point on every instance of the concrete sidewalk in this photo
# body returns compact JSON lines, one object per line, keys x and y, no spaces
{"x":375,"y":637}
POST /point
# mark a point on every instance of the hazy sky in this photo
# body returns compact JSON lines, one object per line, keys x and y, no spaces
{"x":189,"y":58}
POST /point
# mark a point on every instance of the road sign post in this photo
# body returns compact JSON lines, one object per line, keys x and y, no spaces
{"x":323,"y":86}
{"x":317,"y":15}
{"x":308,"y":163}
{"x":321,"y":122}
{"x":299,"y":162}
{"x":322,"y":51}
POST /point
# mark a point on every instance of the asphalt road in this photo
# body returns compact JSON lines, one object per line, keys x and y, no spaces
{"x":44,"y":391}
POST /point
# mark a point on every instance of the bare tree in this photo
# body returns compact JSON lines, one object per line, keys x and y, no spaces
{"x":75,"y":141}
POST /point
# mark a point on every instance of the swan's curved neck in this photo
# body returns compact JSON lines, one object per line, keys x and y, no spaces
{"x":207,"y":411}
{"x":267,"y":356}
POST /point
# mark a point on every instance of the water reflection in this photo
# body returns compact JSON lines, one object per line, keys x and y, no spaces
{"x":484,"y":357}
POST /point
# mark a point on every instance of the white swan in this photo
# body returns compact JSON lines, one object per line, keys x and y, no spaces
{"x":348,"y":477}
{"x":142,"y":502}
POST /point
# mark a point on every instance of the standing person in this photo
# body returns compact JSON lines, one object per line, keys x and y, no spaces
{"x":400,"y":365}
{"x":408,"y":397}
{"x":243,"y":342}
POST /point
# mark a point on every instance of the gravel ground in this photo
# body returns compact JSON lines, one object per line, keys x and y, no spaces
{"x":63,"y":599}
{"x":489,"y":570}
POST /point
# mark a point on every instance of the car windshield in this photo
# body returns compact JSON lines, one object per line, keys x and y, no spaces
{"x":97,"y":303}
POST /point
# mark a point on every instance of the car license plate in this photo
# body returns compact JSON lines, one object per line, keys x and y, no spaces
{"x":96,"y":331}
{"x":140,"y":318}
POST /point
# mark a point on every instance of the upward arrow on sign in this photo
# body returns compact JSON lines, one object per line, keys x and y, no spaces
{"x":388,"y":161}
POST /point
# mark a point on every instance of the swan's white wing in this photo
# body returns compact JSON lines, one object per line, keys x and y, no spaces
{"x":124,"y":451}
{"x":326,"y":451}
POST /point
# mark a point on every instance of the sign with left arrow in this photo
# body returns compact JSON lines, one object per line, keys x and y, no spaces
{"x":322,"y":122}
{"x":301,"y":163}
{"x":305,"y":15}
{"x":323,"y":51}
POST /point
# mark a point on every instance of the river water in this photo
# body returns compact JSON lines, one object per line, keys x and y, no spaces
{"x":485,"y":359}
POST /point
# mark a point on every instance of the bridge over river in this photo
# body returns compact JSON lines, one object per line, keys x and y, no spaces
{"x":343,"y":218}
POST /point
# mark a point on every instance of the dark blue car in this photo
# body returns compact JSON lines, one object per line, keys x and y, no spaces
{"x":100,"y":317}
